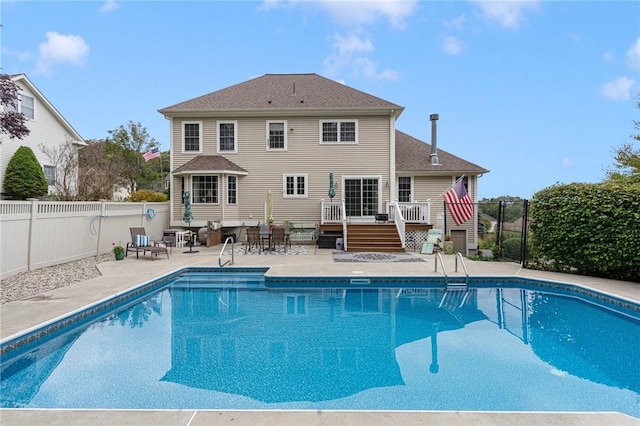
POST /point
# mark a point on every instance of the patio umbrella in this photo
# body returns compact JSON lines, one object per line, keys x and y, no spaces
{"x":332,"y":189}
{"x":269,"y":207}
{"x":187,"y":216}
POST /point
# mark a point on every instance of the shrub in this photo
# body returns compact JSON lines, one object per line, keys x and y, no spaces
{"x":24,"y":177}
{"x":591,"y":229}
{"x":511,"y":248}
{"x":150,"y":196}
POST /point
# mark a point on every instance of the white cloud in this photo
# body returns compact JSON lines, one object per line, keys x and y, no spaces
{"x":350,"y":52}
{"x":567,"y":162}
{"x":508,"y":14}
{"x":619,"y":89}
{"x":607,"y":56}
{"x":60,"y":48}
{"x":356,"y":11}
{"x":456,"y":23}
{"x":453,"y":46}
{"x":633,"y":56}
{"x":109,"y":6}
{"x":21,"y":56}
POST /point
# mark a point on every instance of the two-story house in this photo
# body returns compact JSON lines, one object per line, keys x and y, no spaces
{"x":47,"y":127}
{"x":286,"y":133}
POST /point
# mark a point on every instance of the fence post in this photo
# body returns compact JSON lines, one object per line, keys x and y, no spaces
{"x":103,"y":208}
{"x":32,"y":221}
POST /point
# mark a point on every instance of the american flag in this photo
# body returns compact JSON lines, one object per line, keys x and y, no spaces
{"x":150,"y":155}
{"x":459,"y":203}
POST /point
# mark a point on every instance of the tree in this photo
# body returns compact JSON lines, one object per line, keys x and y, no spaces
{"x":627,"y":159}
{"x":100,"y":170}
{"x":24,"y":177}
{"x":65,"y":160}
{"x":132,"y":140}
{"x":11,"y":121}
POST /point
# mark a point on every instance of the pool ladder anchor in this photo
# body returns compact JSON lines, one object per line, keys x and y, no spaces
{"x":224,"y":246}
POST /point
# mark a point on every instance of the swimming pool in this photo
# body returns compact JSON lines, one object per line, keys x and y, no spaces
{"x":199,"y":338}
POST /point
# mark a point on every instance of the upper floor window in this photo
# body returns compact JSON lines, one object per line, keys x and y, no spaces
{"x":276,"y":135}
{"x":232,"y":190}
{"x":192,"y":136}
{"x":27,"y":106}
{"x":295,"y":186}
{"x":227,"y":136}
{"x":339,"y":131}
{"x":205,"y":189}
{"x":404,"y":189}
{"x":50,"y":174}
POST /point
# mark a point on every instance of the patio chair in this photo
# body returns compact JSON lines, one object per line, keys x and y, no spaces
{"x":278,"y":237}
{"x":265,"y":235}
{"x":253,"y":240}
{"x":141,"y":242}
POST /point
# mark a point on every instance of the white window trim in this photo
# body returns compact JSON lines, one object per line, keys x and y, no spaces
{"x":235,"y":136}
{"x":184,"y":150}
{"x":192,"y":192}
{"x":285,"y":135}
{"x":33,"y":100}
{"x":412,"y":187}
{"x":339,"y":142}
{"x":227,"y":193}
{"x":295,"y":176}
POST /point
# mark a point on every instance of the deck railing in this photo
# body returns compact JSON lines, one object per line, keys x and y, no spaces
{"x":412,"y":212}
{"x":331,"y":212}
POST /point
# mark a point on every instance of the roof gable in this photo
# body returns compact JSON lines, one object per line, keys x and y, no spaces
{"x":413,"y":156}
{"x":284,"y":91}
{"x":22,"y":79}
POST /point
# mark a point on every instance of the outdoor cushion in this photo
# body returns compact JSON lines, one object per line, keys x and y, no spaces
{"x":143,"y":241}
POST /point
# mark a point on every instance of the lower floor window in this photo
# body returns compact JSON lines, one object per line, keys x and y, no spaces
{"x":50,"y":174}
{"x":295,"y":185}
{"x":232,"y":189}
{"x":205,"y":189}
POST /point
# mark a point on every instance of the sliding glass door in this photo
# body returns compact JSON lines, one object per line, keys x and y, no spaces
{"x":361,"y":196}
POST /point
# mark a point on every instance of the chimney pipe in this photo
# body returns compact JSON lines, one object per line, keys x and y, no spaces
{"x":434,"y":139}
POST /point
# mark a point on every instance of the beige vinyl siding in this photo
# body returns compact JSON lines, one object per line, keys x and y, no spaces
{"x":304,"y":155}
{"x":433,"y":187}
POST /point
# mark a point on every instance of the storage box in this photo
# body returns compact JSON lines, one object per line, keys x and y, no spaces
{"x":214,"y":238}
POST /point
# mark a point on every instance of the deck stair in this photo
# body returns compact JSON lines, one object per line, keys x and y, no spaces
{"x":378,"y":237}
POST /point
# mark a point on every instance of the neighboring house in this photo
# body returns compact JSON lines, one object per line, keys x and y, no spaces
{"x":286,"y":133}
{"x":47,"y":128}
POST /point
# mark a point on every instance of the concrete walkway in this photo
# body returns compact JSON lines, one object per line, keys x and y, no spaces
{"x":122,"y":275}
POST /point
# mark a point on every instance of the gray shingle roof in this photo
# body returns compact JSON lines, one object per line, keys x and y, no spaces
{"x":210,"y":163}
{"x":283,"y":91}
{"x":413,"y":156}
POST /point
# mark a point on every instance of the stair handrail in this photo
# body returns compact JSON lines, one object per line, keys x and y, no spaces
{"x":229,"y":238}
{"x":343,"y":214}
{"x":399,"y":220}
{"x":444,"y":270}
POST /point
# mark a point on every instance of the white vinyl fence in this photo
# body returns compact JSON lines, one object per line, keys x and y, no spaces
{"x":35,"y":234}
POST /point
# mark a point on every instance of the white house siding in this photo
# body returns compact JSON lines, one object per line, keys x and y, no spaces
{"x":44,"y":129}
{"x":304,"y":155}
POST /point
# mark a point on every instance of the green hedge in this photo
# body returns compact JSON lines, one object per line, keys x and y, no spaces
{"x":589,"y":229}
{"x":149,"y":196}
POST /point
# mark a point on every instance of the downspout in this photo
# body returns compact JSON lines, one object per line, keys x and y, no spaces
{"x":392,"y":157}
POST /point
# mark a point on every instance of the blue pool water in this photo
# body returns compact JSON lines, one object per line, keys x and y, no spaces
{"x":238,"y":341}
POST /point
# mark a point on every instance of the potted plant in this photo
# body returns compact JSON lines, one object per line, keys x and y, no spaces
{"x":118,"y":250}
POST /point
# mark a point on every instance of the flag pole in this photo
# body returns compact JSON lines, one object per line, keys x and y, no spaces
{"x":451,"y":186}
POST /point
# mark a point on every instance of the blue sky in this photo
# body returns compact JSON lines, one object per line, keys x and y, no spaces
{"x":538,"y":92}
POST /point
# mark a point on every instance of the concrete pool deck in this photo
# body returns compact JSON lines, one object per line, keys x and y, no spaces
{"x":122,"y":275}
